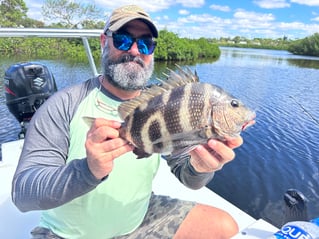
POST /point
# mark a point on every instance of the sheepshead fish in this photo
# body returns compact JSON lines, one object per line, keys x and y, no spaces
{"x":173,"y":117}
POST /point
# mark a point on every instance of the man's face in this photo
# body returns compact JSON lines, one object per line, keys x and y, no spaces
{"x":128,"y":70}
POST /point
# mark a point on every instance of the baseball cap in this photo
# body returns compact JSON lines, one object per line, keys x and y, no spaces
{"x":125,"y":14}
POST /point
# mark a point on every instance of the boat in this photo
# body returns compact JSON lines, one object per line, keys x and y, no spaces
{"x":16,"y":225}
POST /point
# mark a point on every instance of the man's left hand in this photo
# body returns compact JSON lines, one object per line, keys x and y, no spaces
{"x":213,"y":155}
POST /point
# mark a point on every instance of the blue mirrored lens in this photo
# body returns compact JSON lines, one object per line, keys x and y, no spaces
{"x":145,"y":46}
{"x":124,"y":42}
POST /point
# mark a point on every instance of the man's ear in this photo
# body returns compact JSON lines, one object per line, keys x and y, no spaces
{"x":103,"y":41}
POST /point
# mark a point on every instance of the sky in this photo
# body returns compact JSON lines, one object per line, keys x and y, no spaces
{"x":294,"y":19}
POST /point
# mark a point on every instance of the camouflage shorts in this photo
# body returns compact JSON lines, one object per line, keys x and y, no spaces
{"x":162,"y":220}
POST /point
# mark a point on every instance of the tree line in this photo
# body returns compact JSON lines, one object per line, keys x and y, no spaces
{"x":258,"y":43}
{"x":308,"y":46}
{"x":74,"y":14}
{"x":169,"y":48}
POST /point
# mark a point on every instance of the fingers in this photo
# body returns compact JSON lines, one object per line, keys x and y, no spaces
{"x":234,"y":142}
{"x":102,"y":129}
{"x":100,"y":157}
{"x":221,"y":151}
{"x":103,"y":146}
{"x":212,"y":156}
{"x":115,"y":147}
{"x":205,"y":159}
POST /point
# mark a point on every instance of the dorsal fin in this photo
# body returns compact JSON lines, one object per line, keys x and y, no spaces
{"x":173,"y":80}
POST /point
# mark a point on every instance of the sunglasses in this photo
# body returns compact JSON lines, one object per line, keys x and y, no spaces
{"x":124,"y":42}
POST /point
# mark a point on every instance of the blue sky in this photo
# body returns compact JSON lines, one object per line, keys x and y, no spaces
{"x":222,"y":18}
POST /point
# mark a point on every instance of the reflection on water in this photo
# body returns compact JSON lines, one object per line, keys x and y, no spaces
{"x":304,"y":63}
{"x":279,"y":152}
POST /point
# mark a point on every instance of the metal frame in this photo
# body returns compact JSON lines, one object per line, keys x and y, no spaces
{"x":84,"y":34}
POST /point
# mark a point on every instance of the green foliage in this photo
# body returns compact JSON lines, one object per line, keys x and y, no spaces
{"x":308,"y":46}
{"x":170,"y":47}
{"x":32,"y":23}
{"x":45,"y":48}
{"x":12,"y":13}
{"x":69,"y":13}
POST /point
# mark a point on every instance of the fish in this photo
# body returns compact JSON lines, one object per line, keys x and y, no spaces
{"x":179,"y":113}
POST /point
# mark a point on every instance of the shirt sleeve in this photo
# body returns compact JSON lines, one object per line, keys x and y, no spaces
{"x":185,"y":172}
{"x":43,"y":179}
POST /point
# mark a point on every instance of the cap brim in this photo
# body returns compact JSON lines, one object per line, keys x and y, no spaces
{"x":121,"y":22}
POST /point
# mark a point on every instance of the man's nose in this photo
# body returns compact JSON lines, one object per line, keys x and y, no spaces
{"x":134,"y":50}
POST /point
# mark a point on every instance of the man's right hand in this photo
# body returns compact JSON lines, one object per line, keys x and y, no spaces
{"x":103,"y":145}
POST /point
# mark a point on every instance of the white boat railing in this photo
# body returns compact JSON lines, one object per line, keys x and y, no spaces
{"x":84,"y":34}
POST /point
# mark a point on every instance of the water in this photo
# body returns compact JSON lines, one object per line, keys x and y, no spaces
{"x":279,"y":152}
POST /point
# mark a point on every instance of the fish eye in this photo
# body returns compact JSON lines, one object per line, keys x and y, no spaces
{"x":234,"y":103}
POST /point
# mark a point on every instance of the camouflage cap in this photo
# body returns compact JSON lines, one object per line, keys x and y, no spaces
{"x":125,"y":14}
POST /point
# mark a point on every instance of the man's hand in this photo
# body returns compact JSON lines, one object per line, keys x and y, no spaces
{"x":213,"y":155}
{"x":103,"y":145}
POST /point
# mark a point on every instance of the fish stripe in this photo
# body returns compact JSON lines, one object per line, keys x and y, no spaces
{"x":136,"y":131}
{"x":183,"y":116}
{"x":154,"y":132}
{"x":207,"y":110}
{"x":184,"y":112}
{"x":150,"y":126}
{"x":196,"y":106}
{"x":171,"y":114}
{"x":162,"y":130}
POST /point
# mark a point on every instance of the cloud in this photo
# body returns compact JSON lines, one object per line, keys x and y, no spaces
{"x":200,"y":18}
{"x":183,"y":12}
{"x":220,"y":8}
{"x":192,"y":3}
{"x":270,"y":4}
{"x":149,"y":6}
{"x":253,"y":16}
{"x":293,"y":28}
{"x":243,"y":23}
{"x":188,"y":24}
{"x":307,"y":2}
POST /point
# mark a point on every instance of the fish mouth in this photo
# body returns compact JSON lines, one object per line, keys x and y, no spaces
{"x":248,"y":124}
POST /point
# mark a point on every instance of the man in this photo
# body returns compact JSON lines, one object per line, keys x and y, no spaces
{"x":86,"y":179}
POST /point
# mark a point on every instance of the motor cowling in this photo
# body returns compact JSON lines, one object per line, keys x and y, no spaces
{"x":27,"y":86}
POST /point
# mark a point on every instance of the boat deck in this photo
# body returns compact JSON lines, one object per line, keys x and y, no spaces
{"x":15,"y":224}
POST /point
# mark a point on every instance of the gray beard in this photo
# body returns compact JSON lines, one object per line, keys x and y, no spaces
{"x":127,"y":72}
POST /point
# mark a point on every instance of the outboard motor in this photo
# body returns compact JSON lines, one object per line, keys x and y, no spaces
{"x":27,"y":86}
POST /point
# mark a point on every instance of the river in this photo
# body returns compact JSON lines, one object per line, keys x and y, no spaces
{"x":279,"y":152}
